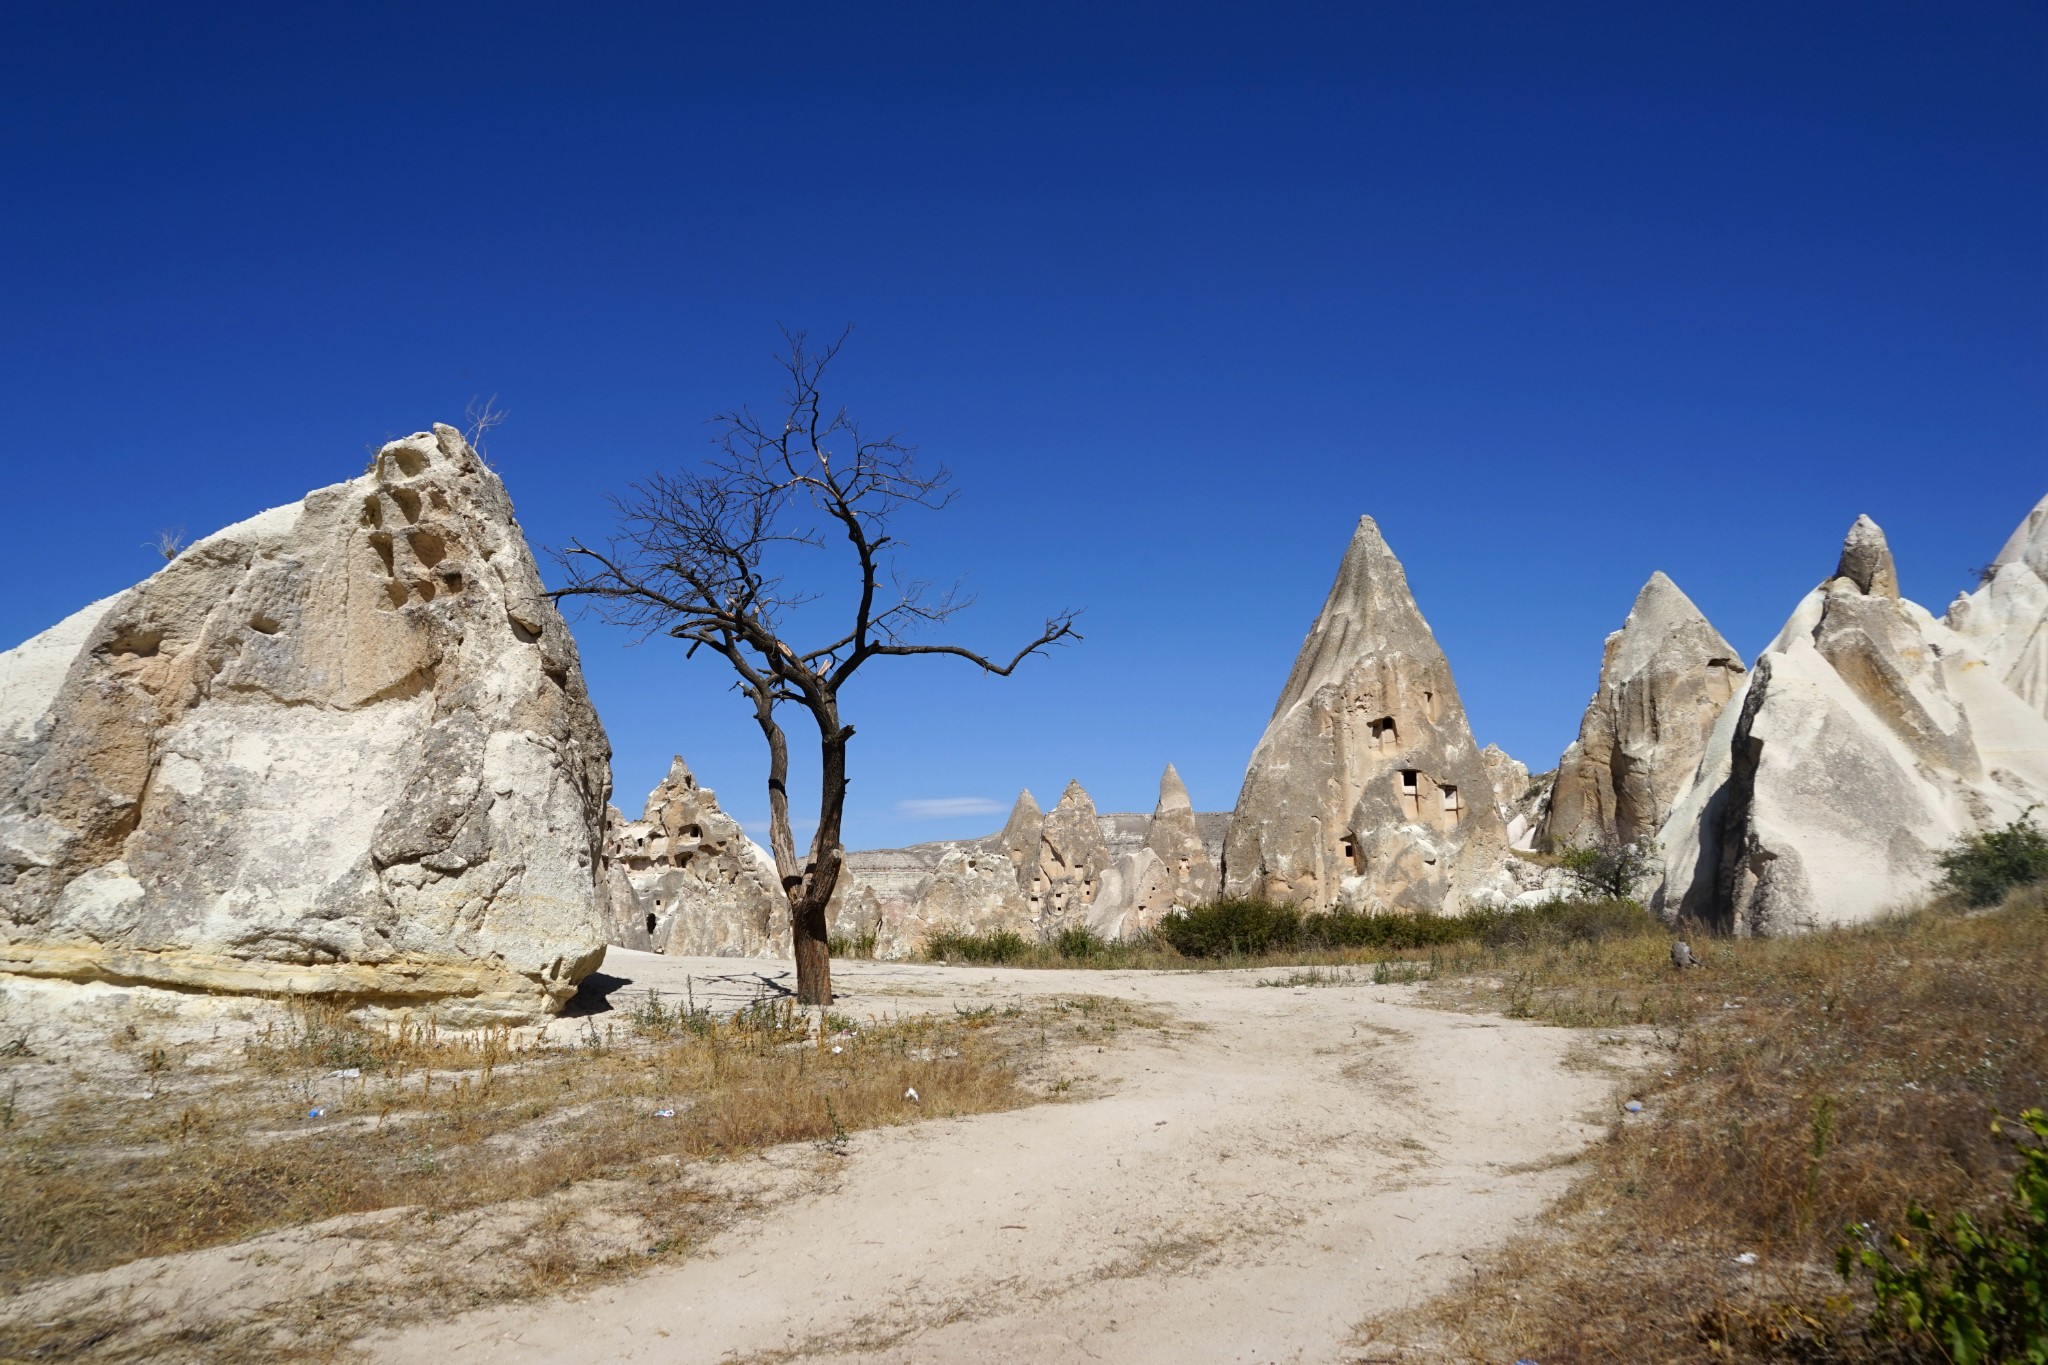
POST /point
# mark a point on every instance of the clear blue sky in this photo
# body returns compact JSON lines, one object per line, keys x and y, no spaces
{"x":1561,"y":294}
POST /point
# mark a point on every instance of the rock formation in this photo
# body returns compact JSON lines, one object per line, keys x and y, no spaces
{"x":1366,"y":789}
{"x":1664,"y":678}
{"x":342,"y":747}
{"x":2006,"y":619}
{"x":685,"y":878}
{"x":1061,"y":883}
{"x":1176,"y":836}
{"x":1868,"y":737}
{"x":1518,"y":797}
{"x":1170,"y":869}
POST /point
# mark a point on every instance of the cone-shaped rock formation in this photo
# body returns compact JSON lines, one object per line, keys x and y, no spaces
{"x":1664,"y":678}
{"x":1366,"y":788}
{"x":343,"y":748}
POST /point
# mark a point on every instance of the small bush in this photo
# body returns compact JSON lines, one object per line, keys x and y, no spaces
{"x":986,"y":949}
{"x":861,"y":945}
{"x":1079,"y":943}
{"x":1609,"y":871}
{"x":1979,"y":869}
{"x":1981,"y":1294}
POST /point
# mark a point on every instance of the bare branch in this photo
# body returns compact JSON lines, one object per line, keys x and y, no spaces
{"x":701,"y":556}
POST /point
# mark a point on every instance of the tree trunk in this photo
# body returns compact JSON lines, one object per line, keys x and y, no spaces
{"x":808,"y":939}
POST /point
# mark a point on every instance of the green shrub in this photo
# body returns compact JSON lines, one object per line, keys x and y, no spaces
{"x":1608,"y":871}
{"x":1079,"y":943}
{"x":987,"y":949}
{"x":1236,"y":927}
{"x":1979,"y":869}
{"x":861,"y":945}
{"x":1981,"y":1294}
{"x":1251,"y":928}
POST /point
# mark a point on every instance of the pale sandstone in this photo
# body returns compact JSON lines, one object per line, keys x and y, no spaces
{"x":1866,"y":739}
{"x":342,"y":747}
{"x":693,"y":882}
{"x":1664,"y":678}
{"x":1366,"y":789}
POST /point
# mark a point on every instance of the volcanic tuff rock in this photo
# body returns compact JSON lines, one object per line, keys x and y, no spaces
{"x":2006,"y":619}
{"x":1170,"y":869}
{"x":342,"y":747}
{"x":1366,"y":789}
{"x":1518,"y":797}
{"x":1072,"y":856}
{"x":693,"y":882}
{"x":1867,"y":737}
{"x":1664,"y":678}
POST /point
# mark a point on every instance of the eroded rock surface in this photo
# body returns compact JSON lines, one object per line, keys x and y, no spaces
{"x":1867,"y":737}
{"x":687,"y":879}
{"x":2006,"y":619}
{"x":342,"y":747}
{"x":1366,"y":788}
{"x":1665,"y":677}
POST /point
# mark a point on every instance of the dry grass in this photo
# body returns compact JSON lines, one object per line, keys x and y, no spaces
{"x":549,"y":1160}
{"x":1802,"y":1084}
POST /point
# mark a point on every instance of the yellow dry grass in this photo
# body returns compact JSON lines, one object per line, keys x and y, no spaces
{"x":1801,"y":1084}
{"x":578,"y":1159}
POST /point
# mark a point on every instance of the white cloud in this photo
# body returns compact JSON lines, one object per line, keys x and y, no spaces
{"x":947,"y":807}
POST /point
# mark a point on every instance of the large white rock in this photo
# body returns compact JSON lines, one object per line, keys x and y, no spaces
{"x":1867,"y":737}
{"x":1664,"y":678}
{"x":1366,"y":788}
{"x":342,"y":747}
{"x":2006,"y":619}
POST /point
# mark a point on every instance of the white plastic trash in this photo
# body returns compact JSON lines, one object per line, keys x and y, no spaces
{"x":1634,"y":1106}
{"x":911,"y":1094}
{"x":664,"y":1113}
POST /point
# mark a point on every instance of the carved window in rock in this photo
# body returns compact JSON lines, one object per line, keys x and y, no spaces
{"x":1383,"y":733}
{"x":650,"y":924}
{"x":1411,"y":793}
{"x":1352,"y":855}
{"x":1429,"y":705}
{"x":1452,"y":806}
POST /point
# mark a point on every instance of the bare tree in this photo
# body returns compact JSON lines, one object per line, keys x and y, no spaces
{"x":699,"y":557}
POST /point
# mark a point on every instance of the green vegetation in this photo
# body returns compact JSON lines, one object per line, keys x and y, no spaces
{"x":1981,"y":1293}
{"x":1608,"y":871}
{"x":1979,"y":869}
{"x":1255,"y":933}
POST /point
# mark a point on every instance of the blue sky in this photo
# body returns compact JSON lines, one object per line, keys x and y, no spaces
{"x":1560,"y":294}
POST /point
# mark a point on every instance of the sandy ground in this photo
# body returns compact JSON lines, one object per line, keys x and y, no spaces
{"x":1286,"y":1162}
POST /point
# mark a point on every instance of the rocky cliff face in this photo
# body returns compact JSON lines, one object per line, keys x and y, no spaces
{"x":1867,"y":737}
{"x":343,"y":747}
{"x":2006,"y":619}
{"x":1664,"y":678}
{"x":686,"y":878}
{"x":1366,"y":789}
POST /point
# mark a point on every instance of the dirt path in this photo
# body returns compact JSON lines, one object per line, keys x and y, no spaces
{"x":1247,"y":1190}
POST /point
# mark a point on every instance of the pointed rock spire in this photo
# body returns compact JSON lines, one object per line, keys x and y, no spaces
{"x":1366,"y":787}
{"x":1019,"y":839}
{"x":1072,"y":856}
{"x":1173,"y":794}
{"x":1664,"y":678}
{"x":1867,"y":561}
{"x":1177,"y":841}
